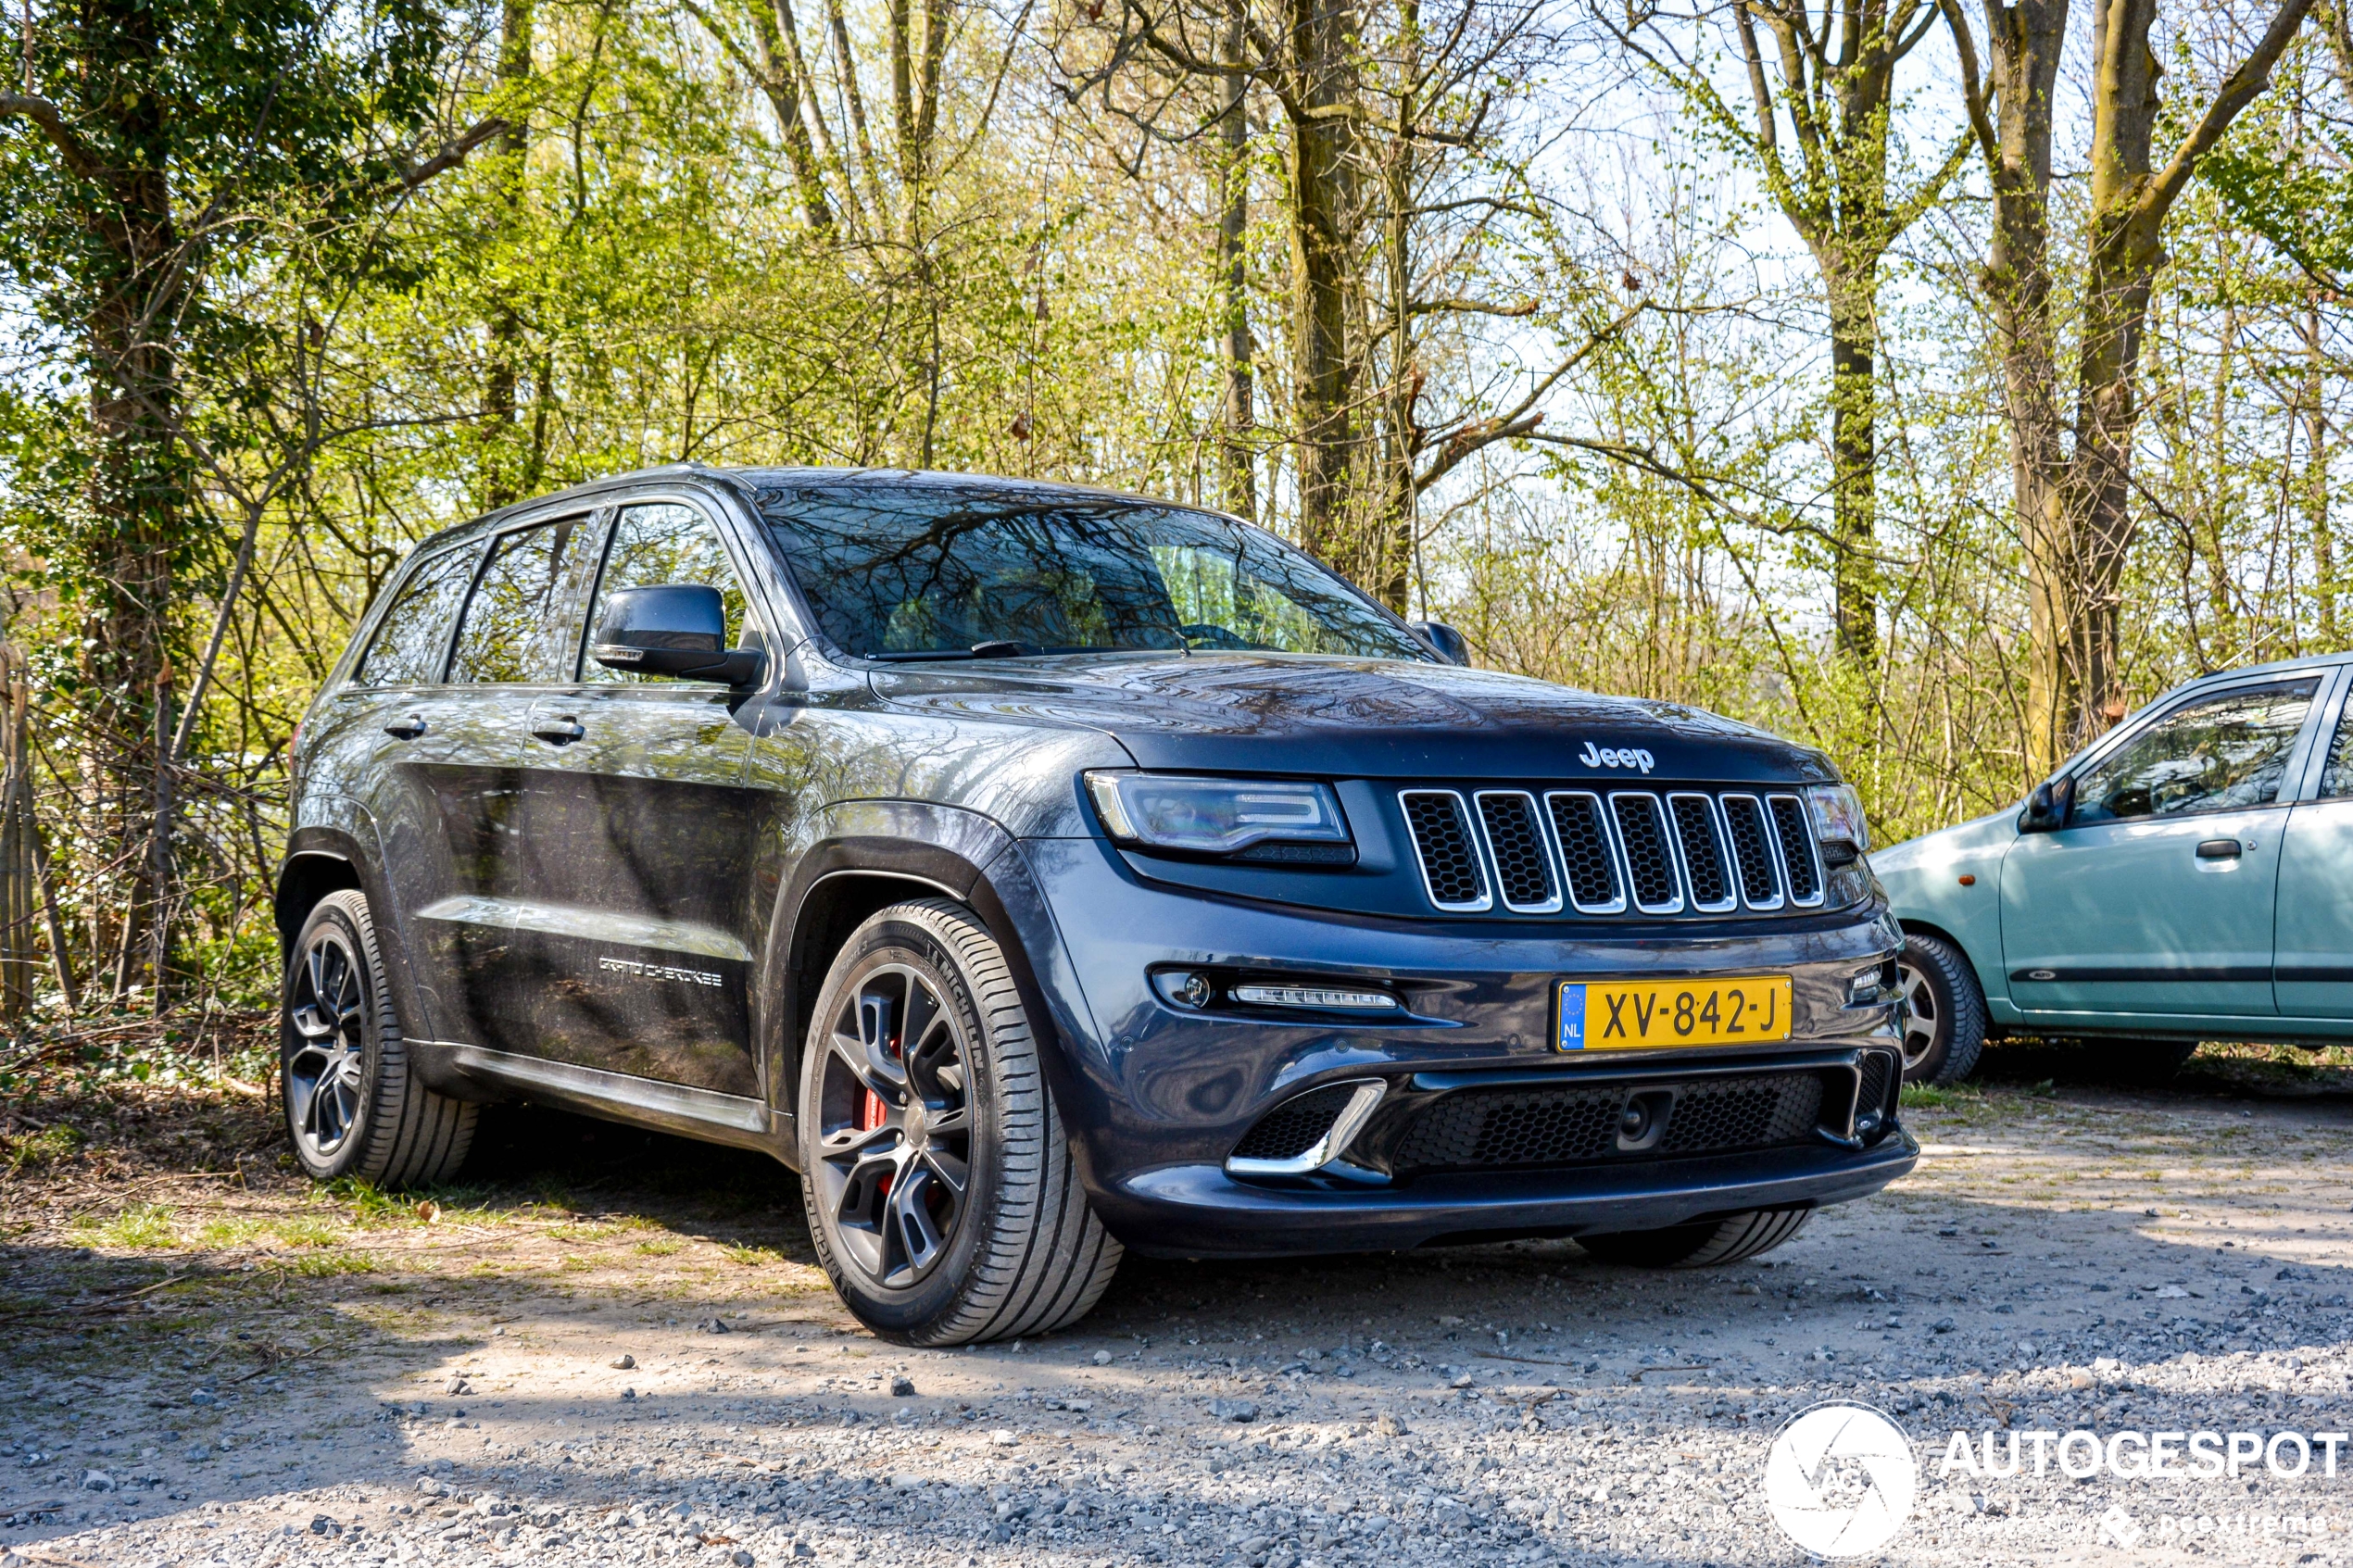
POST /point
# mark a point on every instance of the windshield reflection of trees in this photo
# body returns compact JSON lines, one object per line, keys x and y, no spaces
{"x":889,"y":581}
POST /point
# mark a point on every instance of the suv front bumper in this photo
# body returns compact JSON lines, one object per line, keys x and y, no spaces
{"x":1156,"y":1097}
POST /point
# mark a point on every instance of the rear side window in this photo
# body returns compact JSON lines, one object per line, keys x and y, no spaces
{"x":409,"y":642}
{"x":2220,"y":753}
{"x":520,"y":620}
{"x":2337,"y":779}
{"x":660,"y":542}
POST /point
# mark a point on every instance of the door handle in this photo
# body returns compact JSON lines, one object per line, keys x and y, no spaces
{"x":2218,"y":849}
{"x":407,"y":729}
{"x":559,"y":731}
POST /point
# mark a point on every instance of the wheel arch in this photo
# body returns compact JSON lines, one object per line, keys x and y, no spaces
{"x":882,"y":853}
{"x":1929,"y":928}
{"x":320,"y":861}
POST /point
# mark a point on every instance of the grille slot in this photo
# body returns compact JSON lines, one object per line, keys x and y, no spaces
{"x":1804,"y":878}
{"x":1291,"y":1128}
{"x":1451,"y":868}
{"x":1877,"y":1074}
{"x":1520,"y":1127}
{"x":1650,"y":866}
{"x":1523,"y":866}
{"x":1704,"y":865}
{"x":1752,"y":839}
{"x":1584,"y":842}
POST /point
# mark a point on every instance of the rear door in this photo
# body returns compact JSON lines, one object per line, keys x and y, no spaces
{"x":379,"y":738}
{"x":2312,"y":967}
{"x":640,"y":832}
{"x":463,"y":794}
{"x":2155,"y":900}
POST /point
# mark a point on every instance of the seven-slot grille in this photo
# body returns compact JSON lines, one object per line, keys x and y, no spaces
{"x":1613,"y":852}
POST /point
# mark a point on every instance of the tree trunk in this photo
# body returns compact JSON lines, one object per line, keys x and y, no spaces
{"x":502,"y":469}
{"x":2316,"y":475}
{"x":1323,"y":242}
{"x":1854,"y":298}
{"x":1238,"y":479}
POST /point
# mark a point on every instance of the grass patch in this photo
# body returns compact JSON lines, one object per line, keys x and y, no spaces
{"x":141,"y":1226}
{"x":21,"y":1152}
{"x":753,"y":1257}
{"x":307,"y":1233}
{"x":663,"y":1247}
{"x":326,"y":1265}
{"x":1933,"y":1096}
{"x":229,"y":1232}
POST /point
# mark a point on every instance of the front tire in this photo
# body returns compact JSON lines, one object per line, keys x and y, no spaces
{"x":1704,"y":1244}
{"x":353,"y":1105}
{"x":938,"y":1185}
{"x":1944,"y":1010}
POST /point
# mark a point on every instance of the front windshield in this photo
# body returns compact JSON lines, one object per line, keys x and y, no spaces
{"x":898,"y":572}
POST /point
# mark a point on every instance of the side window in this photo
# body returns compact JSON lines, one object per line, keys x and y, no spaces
{"x":2221,"y":753}
{"x":519,"y":620}
{"x":660,"y":542}
{"x":2337,"y":779}
{"x":409,"y":640}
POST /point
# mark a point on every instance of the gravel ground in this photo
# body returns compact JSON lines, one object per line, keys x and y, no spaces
{"x":563,"y":1365}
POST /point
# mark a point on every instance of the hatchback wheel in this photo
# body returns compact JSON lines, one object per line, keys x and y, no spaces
{"x":1700,"y":1245}
{"x":1944,"y":1011}
{"x":938,"y":1184}
{"x":353,"y":1106}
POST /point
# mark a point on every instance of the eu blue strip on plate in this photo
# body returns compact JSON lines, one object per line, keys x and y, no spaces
{"x":1572,"y":1016}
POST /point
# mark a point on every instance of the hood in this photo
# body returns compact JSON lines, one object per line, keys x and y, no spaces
{"x":1354,"y":719}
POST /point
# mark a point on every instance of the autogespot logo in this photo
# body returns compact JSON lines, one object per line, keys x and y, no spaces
{"x":1840,"y":1480}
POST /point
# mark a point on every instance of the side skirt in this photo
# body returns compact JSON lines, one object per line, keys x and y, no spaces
{"x":703,"y":1114}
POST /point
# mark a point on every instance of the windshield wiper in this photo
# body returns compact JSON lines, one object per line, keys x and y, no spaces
{"x":978,"y":650}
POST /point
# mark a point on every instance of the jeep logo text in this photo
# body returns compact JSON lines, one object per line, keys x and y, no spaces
{"x":1627,"y":759}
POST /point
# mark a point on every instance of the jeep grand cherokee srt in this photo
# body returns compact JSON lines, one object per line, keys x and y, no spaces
{"x":1042,"y":871}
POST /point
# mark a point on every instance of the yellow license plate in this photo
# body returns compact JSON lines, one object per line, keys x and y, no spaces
{"x":1661,"y":1014}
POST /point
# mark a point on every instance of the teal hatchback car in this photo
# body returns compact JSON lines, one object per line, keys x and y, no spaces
{"x":2187,"y":877}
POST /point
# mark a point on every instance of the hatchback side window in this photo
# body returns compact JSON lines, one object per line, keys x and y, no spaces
{"x":415,"y":630}
{"x":516,"y":630}
{"x":665,"y":542}
{"x":2221,"y":753}
{"x":2337,"y":779}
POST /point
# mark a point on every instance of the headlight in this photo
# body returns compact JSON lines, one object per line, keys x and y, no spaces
{"x":1269,"y":817}
{"x":1838,"y":816}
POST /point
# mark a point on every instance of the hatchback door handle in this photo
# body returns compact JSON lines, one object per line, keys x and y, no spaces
{"x":559,"y":731}
{"x":2218,"y":849}
{"x":407,"y":729}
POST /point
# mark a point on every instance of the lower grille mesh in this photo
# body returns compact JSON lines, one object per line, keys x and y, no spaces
{"x":1291,"y":1128}
{"x":1498,"y":1128}
{"x":1877,"y":1074}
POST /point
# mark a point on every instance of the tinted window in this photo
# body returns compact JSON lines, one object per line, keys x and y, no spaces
{"x":516,"y":629}
{"x":2216,"y":754}
{"x":409,"y":640}
{"x":897,"y":572}
{"x":660,"y":542}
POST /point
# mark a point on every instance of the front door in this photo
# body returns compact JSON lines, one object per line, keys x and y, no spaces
{"x":2155,"y":899}
{"x":641,"y":838}
{"x":2312,"y":969}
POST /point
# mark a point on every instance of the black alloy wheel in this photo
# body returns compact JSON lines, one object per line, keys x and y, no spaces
{"x":327,"y":1006}
{"x":897,"y":1129}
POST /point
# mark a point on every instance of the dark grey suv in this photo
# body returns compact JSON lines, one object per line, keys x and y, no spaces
{"x":1038,"y":871}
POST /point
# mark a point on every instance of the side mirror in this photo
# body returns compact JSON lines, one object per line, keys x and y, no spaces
{"x":1445,"y":639}
{"x":2047,"y":809}
{"x":676,"y":630}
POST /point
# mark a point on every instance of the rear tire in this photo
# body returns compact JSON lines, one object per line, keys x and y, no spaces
{"x":1945,"y":1023}
{"x":353,"y":1105}
{"x":1702,"y":1245}
{"x":938,"y":1185}
{"x":2142,"y":1063}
